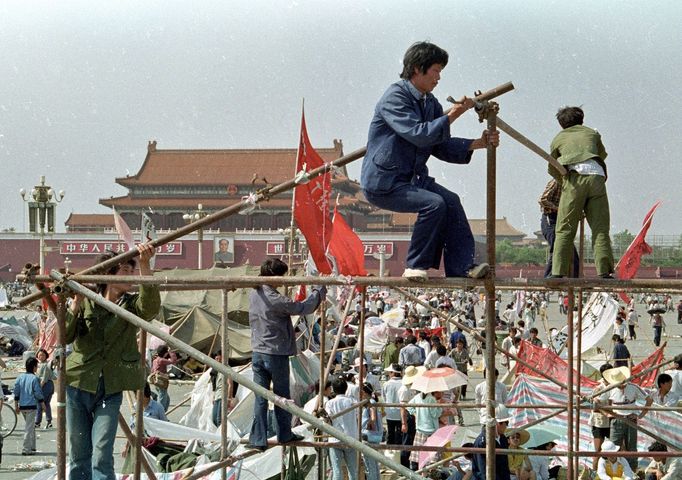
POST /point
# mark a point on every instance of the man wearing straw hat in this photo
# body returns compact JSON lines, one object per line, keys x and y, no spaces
{"x":501,"y":460}
{"x":624,"y":425}
{"x":408,"y":425}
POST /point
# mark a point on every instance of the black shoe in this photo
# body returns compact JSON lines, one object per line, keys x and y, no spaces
{"x":555,"y":276}
{"x":607,"y":276}
{"x":294,"y":438}
{"x":250,"y":446}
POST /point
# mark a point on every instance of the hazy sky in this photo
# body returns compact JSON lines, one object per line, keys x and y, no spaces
{"x":85,"y":84}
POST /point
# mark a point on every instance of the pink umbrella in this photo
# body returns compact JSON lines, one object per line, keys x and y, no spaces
{"x":439,"y":438}
{"x":439,"y":380}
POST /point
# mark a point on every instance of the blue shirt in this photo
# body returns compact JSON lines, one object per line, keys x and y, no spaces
{"x":154,"y":410}
{"x":270,"y":314}
{"x":457,"y":335}
{"x":407,"y":128}
{"x":27,"y":391}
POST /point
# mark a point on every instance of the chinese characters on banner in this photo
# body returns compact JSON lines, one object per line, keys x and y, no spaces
{"x":99,"y":247}
{"x":370,"y":248}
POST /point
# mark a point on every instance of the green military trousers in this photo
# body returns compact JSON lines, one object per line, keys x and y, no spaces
{"x":583,"y":193}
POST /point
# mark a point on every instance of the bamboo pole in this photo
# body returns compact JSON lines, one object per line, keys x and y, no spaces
{"x":569,"y":464}
{"x":61,"y":389}
{"x":361,"y":370}
{"x":139,"y":410}
{"x":140,"y":460}
{"x":589,"y":284}
{"x":226,"y":370}
{"x":225,"y":348}
{"x":491,"y":343}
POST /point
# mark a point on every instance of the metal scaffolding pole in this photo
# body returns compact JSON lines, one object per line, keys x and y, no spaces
{"x":227,"y":371}
{"x":226,"y":393}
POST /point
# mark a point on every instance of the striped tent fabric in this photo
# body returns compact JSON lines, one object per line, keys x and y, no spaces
{"x":529,"y":390}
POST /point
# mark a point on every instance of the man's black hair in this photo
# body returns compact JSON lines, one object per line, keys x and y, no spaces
{"x":663,"y":378}
{"x":339,"y":386}
{"x":605,"y":367}
{"x":570,"y":116}
{"x":658,"y":447}
{"x":411,"y":339}
{"x":108,"y":255}
{"x":31,"y":364}
{"x":273,"y":267}
{"x":147,"y":391}
{"x":440,"y":350}
{"x":422,"y":55}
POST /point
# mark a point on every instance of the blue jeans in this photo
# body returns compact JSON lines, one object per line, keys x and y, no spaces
{"x":441,"y":228}
{"x":548,"y":226}
{"x":657,"y":335}
{"x":269,"y":369}
{"x":92,"y":420}
{"x":48,"y":391}
{"x":347,"y":455}
{"x":216,"y":413}
{"x":371,"y":466}
{"x":162,"y":397}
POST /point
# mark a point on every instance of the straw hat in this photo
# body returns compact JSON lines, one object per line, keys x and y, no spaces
{"x":609,"y":446}
{"x":411,"y":374}
{"x":523,"y":434}
{"x":616,"y":375}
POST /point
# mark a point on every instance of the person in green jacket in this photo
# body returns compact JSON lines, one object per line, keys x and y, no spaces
{"x":581,"y":151}
{"x":104,"y":362}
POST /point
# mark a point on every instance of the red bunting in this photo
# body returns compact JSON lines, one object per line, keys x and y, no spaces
{"x":346,"y":248}
{"x":311,"y":203}
{"x":631,"y":259}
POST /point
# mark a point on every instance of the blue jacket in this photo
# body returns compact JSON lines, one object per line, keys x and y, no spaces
{"x":501,"y":460}
{"x":27,"y":391}
{"x":403,"y":135}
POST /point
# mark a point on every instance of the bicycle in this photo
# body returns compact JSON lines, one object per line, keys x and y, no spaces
{"x":8,"y":417}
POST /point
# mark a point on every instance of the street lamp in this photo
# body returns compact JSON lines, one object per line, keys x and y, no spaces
{"x":193,"y":217}
{"x":41,"y":210}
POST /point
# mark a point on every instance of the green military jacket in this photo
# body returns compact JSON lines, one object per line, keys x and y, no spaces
{"x":577,"y":144}
{"x":107,"y":345}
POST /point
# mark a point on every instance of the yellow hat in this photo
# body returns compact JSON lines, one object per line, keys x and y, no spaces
{"x":616,"y":375}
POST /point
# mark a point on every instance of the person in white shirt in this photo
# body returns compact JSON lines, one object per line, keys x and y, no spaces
{"x":390,"y":392}
{"x":663,"y":468}
{"x":312,"y":405}
{"x":633,"y":320}
{"x":507,"y":344}
{"x":623,"y":426}
{"x":676,"y":374}
{"x":664,"y":396}
{"x":424,"y":343}
{"x":619,"y":328}
{"x":348,"y":424}
{"x":481,"y":396}
{"x":609,"y":468}
{"x":509,"y":315}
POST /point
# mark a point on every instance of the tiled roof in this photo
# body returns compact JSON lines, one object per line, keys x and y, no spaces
{"x":219,"y":167}
{"x":90,"y":220}
{"x":478,"y":226}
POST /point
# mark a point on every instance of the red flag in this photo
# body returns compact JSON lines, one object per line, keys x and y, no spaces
{"x":631,"y":259}
{"x":648,"y":380}
{"x":311,"y":203}
{"x":301,"y":293}
{"x":346,"y":248}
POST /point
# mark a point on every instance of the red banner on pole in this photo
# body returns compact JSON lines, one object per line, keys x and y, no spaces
{"x":346,"y":248}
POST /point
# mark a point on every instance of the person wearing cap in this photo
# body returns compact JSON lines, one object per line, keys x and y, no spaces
{"x":391,"y":353}
{"x":599,"y":422}
{"x":662,"y":468}
{"x":390,"y":392}
{"x":407,"y":420}
{"x":519,"y":464}
{"x":623,"y":426}
{"x":501,"y":460}
{"x":613,"y":468}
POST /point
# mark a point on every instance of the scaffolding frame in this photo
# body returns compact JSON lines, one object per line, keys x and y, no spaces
{"x":487,"y":111}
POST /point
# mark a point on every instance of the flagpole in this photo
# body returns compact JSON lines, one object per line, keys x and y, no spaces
{"x":292,"y":225}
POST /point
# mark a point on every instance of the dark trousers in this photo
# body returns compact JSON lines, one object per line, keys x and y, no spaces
{"x":633,"y":334}
{"x":393,"y":434}
{"x":548,"y":226}
{"x":441,"y":228}
{"x":657,"y":335}
{"x":269,"y":369}
{"x":408,"y":439}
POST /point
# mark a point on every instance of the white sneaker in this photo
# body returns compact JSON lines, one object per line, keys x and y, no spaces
{"x":479,"y":271}
{"x":415,"y":274}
